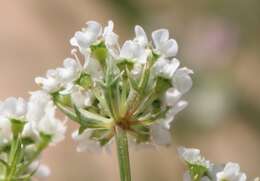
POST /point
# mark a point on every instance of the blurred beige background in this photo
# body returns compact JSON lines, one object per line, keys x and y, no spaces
{"x":219,"y":39}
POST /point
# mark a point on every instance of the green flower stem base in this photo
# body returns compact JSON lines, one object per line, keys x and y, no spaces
{"x":123,"y":154}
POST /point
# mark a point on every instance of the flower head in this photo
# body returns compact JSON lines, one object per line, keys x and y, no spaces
{"x":231,"y":172}
{"x":136,"y":87}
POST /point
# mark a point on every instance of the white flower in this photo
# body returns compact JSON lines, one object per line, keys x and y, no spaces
{"x":58,"y":78}
{"x":231,"y":172}
{"x":161,"y":135}
{"x":134,"y":52}
{"x":111,"y":39}
{"x":81,"y":98}
{"x":70,"y":71}
{"x":140,"y":36}
{"x":41,"y":118}
{"x":83,"y":39}
{"x":166,"y":68}
{"x":51,"y":83}
{"x":165,"y":46}
{"x":193,"y":156}
{"x":50,"y":125}
{"x":13,"y":108}
{"x":181,"y":80}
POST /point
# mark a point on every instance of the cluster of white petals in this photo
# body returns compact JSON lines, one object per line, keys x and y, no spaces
{"x":200,"y":169}
{"x":137,"y":86}
{"x":28,"y":126}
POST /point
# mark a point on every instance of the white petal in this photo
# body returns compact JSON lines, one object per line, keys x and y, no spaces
{"x":111,"y":39}
{"x":182,"y":80}
{"x":190,"y":155}
{"x":169,"y":48}
{"x":84,"y":40}
{"x":127,"y":50}
{"x":140,"y":36}
{"x":161,"y":135}
{"x":166,"y":68}
{"x":160,"y":36}
{"x":95,"y":27}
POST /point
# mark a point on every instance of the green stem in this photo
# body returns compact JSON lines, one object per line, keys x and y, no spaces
{"x":123,"y":154}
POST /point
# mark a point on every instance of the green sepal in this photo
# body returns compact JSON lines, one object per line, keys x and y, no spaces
{"x":85,"y":81}
{"x":153,"y":57}
{"x":45,"y":140}
{"x":162,"y":85}
{"x":197,"y":171}
{"x":141,"y":133}
{"x":125,"y":64}
{"x":67,"y":111}
{"x":82,"y":129}
{"x":99,"y":51}
{"x":91,"y":120}
{"x":64,"y":100}
{"x":27,"y":141}
{"x":17,"y":126}
{"x":103,"y":136}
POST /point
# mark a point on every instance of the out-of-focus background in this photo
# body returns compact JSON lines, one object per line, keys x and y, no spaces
{"x":219,"y":39}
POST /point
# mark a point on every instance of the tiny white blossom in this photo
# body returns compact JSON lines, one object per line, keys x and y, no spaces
{"x":13,"y":108}
{"x":165,"y":46}
{"x":166,"y":68}
{"x":83,"y":39}
{"x":193,"y":156}
{"x":51,"y":83}
{"x":70,"y":70}
{"x":41,"y":117}
{"x":134,"y":52}
{"x":231,"y":172}
{"x":58,"y":78}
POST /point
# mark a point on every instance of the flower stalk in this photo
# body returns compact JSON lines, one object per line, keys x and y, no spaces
{"x":123,"y":154}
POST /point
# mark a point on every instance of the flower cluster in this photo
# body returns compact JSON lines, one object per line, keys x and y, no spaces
{"x":136,"y":87}
{"x":200,"y":169}
{"x":26,"y":129}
